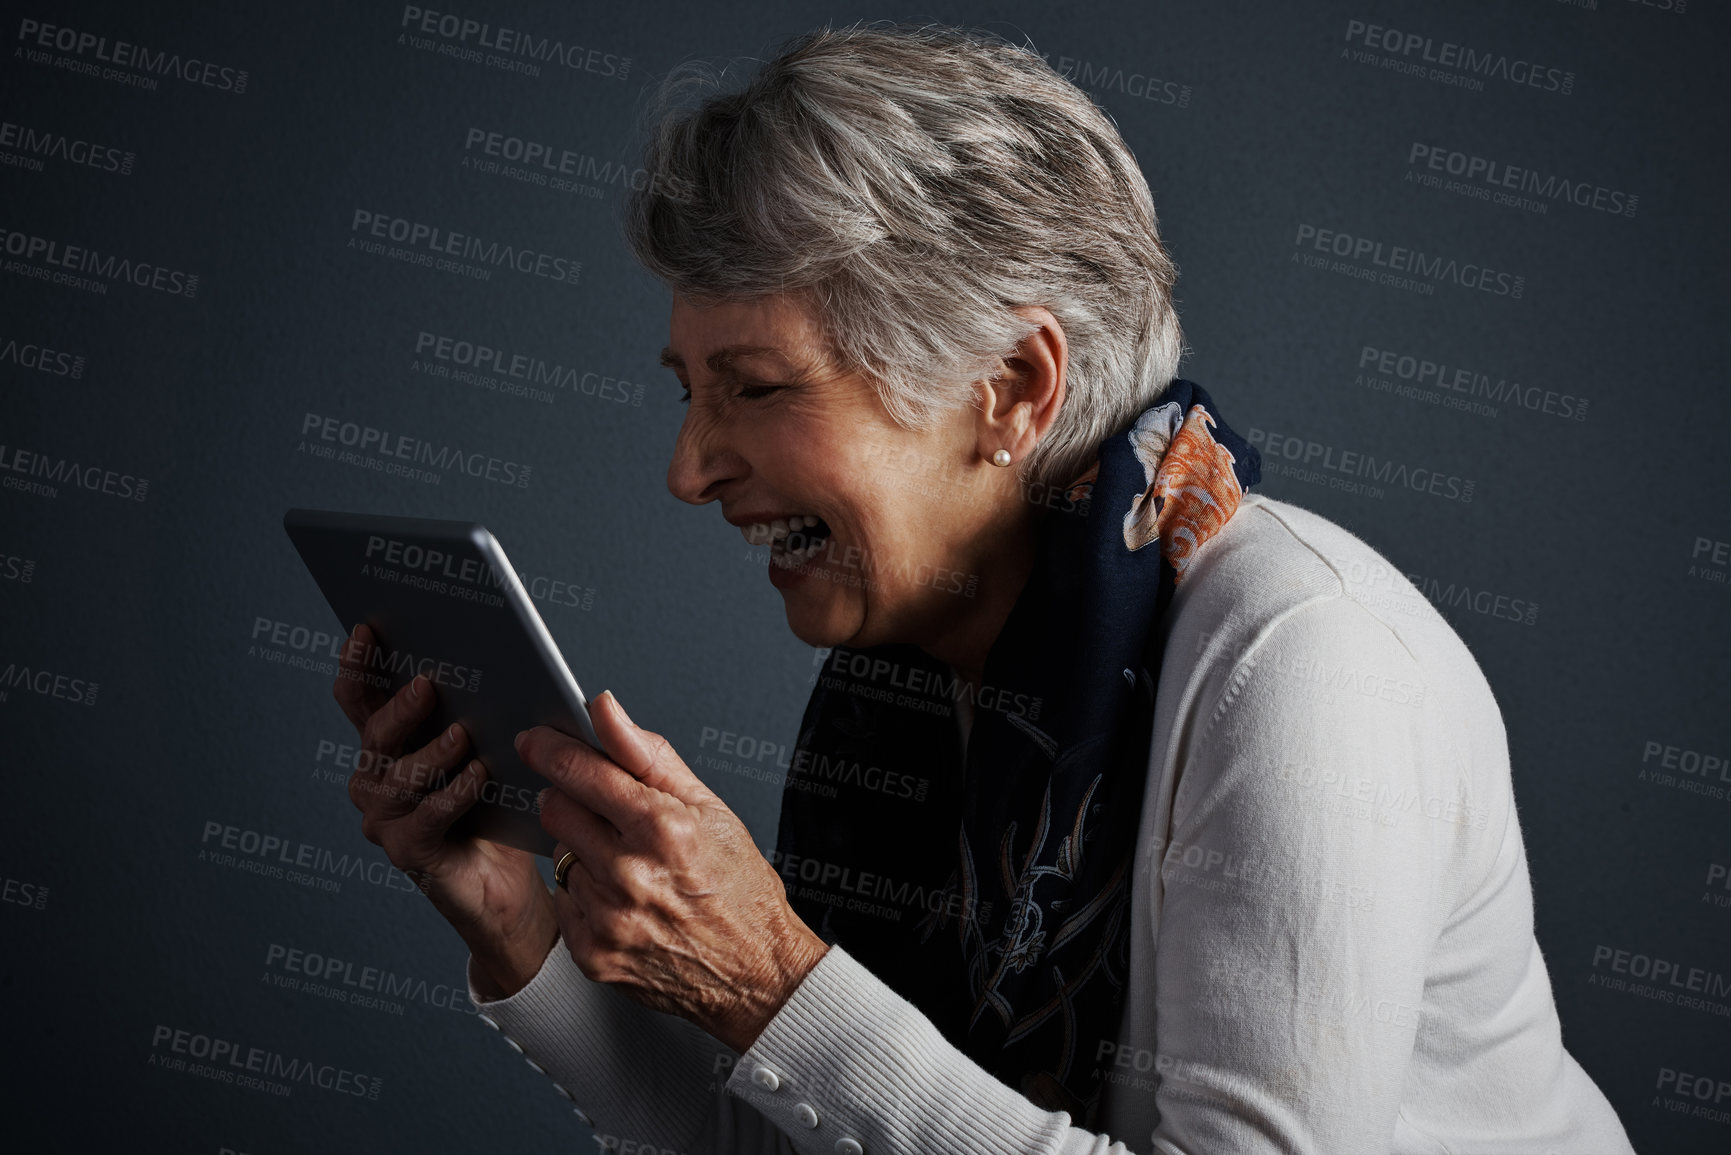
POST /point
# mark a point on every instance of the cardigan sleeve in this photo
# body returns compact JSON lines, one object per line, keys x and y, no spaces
{"x":849,"y":1066}
{"x":1321,"y":828}
{"x":642,"y":1080}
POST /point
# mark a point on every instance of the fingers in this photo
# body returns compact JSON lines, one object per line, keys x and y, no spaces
{"x":356,"y":691}
{"x":586,"y":775}
{"x":581,"y":891}
{"x":398,"y":786}
{"x":389,"y":725}
{"x":569,"y":915}
{"x":643,"y":754}
{"x":601,"y":928}
{"x":578,"y":828}
{"x":565,"y":908}
{"x":641,"y":775}
{"x":429,"y":821}
{"x":407,"y":779}
{"x":575,"y":907}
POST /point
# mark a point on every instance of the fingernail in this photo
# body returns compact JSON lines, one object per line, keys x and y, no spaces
{"x":451,"y":735}
{"x":418,"y":686}
{"x":621,"y":709}
{"x":517,"y":742}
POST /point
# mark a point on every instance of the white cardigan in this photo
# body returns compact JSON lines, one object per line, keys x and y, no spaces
{"x":1332,"y":940}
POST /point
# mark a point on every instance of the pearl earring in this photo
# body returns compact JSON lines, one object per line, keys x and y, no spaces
{"x":1001,"y":457}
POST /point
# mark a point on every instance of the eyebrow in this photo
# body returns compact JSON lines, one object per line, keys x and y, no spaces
{"x":721,"y":361}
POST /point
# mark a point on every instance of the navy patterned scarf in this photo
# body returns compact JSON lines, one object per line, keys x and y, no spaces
{"x":994,"y":895}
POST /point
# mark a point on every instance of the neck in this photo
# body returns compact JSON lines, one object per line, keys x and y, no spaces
{"x":966,"y":638}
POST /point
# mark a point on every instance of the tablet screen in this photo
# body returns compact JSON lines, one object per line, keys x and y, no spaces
{"x":443,"y":600}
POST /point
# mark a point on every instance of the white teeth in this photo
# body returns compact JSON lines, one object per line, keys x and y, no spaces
{"x":776,"y":534}
{"x":758,"y":532}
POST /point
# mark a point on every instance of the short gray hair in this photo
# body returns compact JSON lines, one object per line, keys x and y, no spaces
{"x":914,"y":185}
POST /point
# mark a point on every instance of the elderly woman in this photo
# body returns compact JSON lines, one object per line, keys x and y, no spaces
{"x":1130,"y":812}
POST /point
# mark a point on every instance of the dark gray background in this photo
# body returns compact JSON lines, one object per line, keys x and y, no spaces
{"x":113,"y":925}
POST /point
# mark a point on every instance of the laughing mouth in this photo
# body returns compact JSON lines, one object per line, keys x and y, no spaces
{"x":793,"y":540}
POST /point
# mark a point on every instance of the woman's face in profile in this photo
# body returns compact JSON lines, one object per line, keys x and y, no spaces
{"x":777,"y":435}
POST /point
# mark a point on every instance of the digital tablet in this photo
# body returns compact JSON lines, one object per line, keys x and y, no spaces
{"x":443,"y":600}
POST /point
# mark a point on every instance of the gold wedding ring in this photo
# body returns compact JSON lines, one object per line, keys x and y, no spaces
{"x":562,"y":868}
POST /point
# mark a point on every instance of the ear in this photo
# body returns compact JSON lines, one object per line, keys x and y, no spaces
{"x":1018,"y":406}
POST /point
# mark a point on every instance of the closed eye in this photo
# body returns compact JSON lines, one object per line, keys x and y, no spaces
{"x":749,"y":392}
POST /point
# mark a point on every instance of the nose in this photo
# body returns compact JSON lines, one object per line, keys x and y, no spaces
{"x":700,"y":464}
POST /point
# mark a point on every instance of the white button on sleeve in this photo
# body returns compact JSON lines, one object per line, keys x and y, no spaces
{"x":847,"y":1145}
{"x":489,"y":1020}
{"x":513,"y":1044}
{"x":536,"y":1067}
{"x":765,"y":1078}
{"x":807,"y":1114}
{"x":560,"y":1088}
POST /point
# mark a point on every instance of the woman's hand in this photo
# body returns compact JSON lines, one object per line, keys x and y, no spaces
{"x":668,"y":897}
{"x":491,"y":894}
